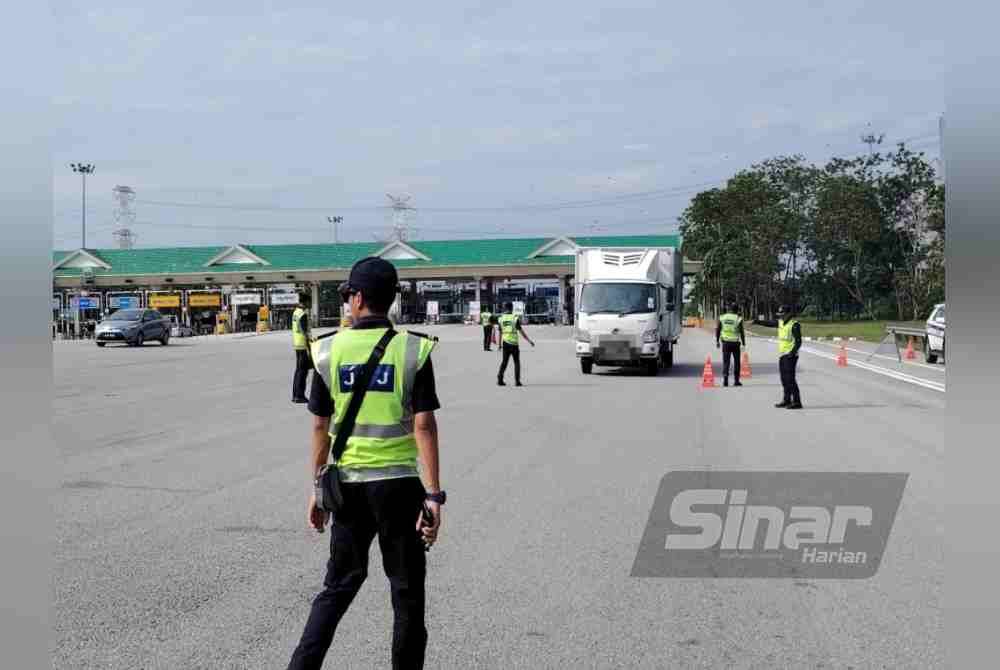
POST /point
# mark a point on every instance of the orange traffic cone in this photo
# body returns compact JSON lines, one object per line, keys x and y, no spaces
{"x":707,"y":376}
{"x":842,"y":356}
{"x":909,"y":354}
{"x":745,"y":364}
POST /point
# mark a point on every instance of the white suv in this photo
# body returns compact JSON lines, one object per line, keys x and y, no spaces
{"x":935,"y":334}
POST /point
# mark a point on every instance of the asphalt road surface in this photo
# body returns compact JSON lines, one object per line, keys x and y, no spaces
{"x":182,"y":538}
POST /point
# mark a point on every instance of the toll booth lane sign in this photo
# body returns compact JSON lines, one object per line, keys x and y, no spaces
{"x":164,"y":300}
{"x":204,"y":299}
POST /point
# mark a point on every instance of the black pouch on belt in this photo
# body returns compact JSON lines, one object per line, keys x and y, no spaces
{"x":329,"y":496}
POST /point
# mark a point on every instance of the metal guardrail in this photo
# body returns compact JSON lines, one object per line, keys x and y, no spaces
{"x":898,"y":331}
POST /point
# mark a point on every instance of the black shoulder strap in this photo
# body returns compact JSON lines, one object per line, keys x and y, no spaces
{"x":432,"y":338}
{"x":358,"y":395}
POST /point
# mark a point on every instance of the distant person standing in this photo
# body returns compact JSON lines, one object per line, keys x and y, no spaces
{"x":486,"y":319}
{"x":510,"y":326}
{"x":300,"y":344}
{"x":729,"y":330}
{"x":789,"y":343}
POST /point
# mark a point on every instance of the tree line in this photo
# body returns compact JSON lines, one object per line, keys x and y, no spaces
{"x":857,"y":238}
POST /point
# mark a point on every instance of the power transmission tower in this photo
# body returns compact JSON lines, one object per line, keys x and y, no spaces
{"x":400,"y":216}
{"x":124,"y":216}
{"x":871,"y":139}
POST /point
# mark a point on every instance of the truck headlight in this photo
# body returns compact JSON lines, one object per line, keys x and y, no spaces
{"x":582,"y":335}
{"x":651,"y":336}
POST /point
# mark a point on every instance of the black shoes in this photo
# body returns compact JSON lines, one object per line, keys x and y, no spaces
{"x":738,"y":384}
{"x":300,"y":401}
{"x":795,"y":405}
{"x":501,"y":382}
{"x":725,"y":382}
{"x":783,"y":404}
{"x":518,"y":384}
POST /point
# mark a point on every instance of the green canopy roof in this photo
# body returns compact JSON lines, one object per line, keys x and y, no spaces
{"x":302,"y":257}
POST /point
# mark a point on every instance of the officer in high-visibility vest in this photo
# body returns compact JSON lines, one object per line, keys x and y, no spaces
{"x":729,"y":330}
{"x":382,"y":488}
{"x":300,"y":343}
{"x":789,"y":343}
{"x":510,"y":326}
{"x":487,"y":320}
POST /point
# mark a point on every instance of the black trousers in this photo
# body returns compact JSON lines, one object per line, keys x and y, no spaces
{"x":786,"y":366}
{"x":487,"y":337}
{"x":731,"y":350}
{"x":302,"y":367}
{"x":511,"y":351}
{"x":388,"y":509}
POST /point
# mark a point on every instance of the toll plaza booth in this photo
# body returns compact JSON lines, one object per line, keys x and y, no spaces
{"x":203,"y":307}
{"x":117,"y":301}
{"x":167,"y":303}
{"x":244,"y":306}
{"x":57,"y":309}
{"x":85,"y":312}
{"x":282,"y":302}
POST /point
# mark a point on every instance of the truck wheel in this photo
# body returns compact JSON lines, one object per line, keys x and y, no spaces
{"x":929,"y":356}
{"x":652,"y":367}
{"x":165,"y":340}
{"x":668,"y":359}
{"x":586,"y":365}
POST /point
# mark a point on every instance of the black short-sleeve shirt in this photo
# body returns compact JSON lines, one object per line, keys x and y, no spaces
{"x":424,"y":394}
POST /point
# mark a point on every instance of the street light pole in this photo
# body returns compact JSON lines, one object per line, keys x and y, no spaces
{"x":83,"y":169}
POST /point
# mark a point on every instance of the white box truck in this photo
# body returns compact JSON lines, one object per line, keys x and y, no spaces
{"x":628,"y":307}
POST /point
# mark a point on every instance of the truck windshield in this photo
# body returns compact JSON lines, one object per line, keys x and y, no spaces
{"x":618,"y":298}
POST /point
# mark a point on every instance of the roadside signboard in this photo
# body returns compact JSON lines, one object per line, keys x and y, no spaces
{"x":432,"y":308}
{"x":475,"y":310}
{"x":518,"y":307}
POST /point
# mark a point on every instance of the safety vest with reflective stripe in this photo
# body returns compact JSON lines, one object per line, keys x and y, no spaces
{"x":383,"y":431}
{"x":484,"y":318}
{"x":508,"y":328}
{"x":730,"y":327}
{"x":298,"y":334}
{"x":786,"y":341}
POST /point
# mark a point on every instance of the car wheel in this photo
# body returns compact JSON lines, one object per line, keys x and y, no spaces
{"x":652,"y":367}
{"x":101,"y":344}
{"x":586,"y":365}
{"x":164,"y":340}
{"x":668,"y":358}
{"x":140,"y":339}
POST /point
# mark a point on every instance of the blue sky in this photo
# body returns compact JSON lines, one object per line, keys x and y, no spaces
{"x":263,"y":122}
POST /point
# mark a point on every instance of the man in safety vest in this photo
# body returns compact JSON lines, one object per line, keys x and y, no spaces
{"x":789,"y":343}
{"x":487,"y":320}
{"x":510,"y":326}
{"x":300,"y":343}
{"x":729,"y":330}
{"x":382,"y":489}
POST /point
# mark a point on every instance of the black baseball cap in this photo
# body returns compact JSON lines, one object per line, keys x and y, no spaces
{"x":376,"y":279}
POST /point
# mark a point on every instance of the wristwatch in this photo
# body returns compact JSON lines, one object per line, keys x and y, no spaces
{"x":438,"y":497}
